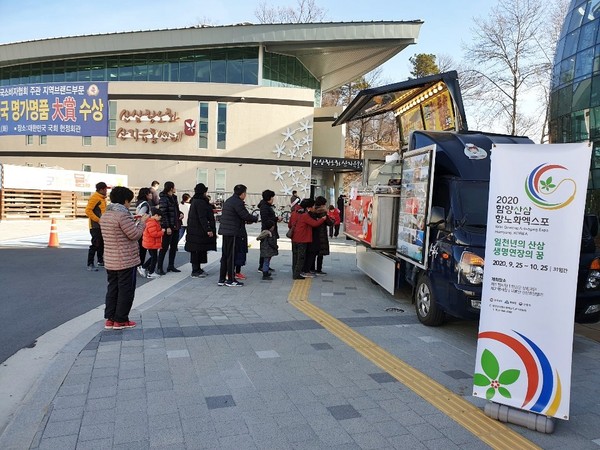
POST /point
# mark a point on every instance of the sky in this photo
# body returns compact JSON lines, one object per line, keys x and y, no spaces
{"x":445,"y":29}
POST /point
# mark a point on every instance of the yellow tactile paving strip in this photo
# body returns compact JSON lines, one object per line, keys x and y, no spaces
{"x":493,"y":433}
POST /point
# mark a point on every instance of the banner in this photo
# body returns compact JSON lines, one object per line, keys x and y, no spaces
{"x":69,"y":109}
{"x":46,"y":179}
{"x":534,"y":226}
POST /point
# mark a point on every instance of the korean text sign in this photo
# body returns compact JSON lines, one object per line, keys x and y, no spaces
{"x":534,"y":226}
{"x":71,"y":109}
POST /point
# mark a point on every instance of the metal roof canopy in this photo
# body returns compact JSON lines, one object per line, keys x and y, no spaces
{"x":374,"y":101}
{"x":335,"y":53}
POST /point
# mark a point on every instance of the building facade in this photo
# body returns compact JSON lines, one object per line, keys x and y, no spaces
{"x":218,"y":105}
{"x":575,"y":90}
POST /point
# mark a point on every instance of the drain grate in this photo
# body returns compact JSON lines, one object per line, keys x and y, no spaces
{"x":394,"y":309}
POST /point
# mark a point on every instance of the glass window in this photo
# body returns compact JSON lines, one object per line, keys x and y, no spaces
{"x":125,"y":68}
{"x":577,"y":17}
{"x":112,"y":69}
{"x":571,"y":43}
{"x":86,"y":167}
{"x":581,"y":94}
{"x":203,"y":70}
{"x":87,"y":140}
{"x":43,"y":139}
{"x":186,"y":71}
{"x":218,"y":71}
{"x":567,"y":70}
{"x":220,"y":179}
{"x":594,"y":11}
{"x":596,"y":64}
{"x":111,"y":168}
{"x":564,"y":128}
{"x":140,"y":69}
{"x":112,"y":123}
{"x":29,"y":139}
{"x":584,"y":63}
{"x":98,"y":72}
{"x":203,"y":126}
{"x":553,"y":104}
{"x":579,"y":126}
{"x":250,"y":71}
{"x":595,"y":97}
{"x":221,"y":125}
{"x":595,"y":123}
{"x":84,"y":72}
{"x":59,"y":71}
{"x":587,"y":36}
{"x":202,"y":176}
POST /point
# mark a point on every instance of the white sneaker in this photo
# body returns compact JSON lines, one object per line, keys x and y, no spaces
{"x":153,"y":275}
{"x":143,"y":272}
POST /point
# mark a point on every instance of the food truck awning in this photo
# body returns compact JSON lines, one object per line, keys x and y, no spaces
{"x":402,"y":96}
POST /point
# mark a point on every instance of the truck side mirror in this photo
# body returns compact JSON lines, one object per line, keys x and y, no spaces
{"x":591,"y":223}
{"x":438,"y":217}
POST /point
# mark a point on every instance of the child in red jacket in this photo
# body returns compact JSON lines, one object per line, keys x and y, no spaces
{"x":152,"y":241}
{"x":334,"y":214}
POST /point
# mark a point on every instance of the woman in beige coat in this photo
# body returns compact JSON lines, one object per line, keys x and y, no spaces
{"x":121,"y":233}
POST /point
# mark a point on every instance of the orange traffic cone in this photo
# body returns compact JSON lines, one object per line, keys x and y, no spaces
{"x":53,"y":241}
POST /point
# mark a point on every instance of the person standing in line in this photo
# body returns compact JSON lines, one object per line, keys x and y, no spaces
{"x":120,"y":232}
{"x":341,"y":204}
{"x":170,"y":221}
{"x":184,"y":208}
{"x":232,"y":224}
{"x":155,"y":196}
{"x":319,"y":247}
{"x":143,"y":206}
{"x":95,"y":208}
{"x":201,"y":232}
{"x":152,"y":241}
{"x":303,"y":224}
{"x":334,"y":215}
{"x":268,"y":246}
{"x":294,"y":199}
{"x":267,"y":213}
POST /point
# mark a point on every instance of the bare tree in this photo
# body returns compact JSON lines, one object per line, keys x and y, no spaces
{"x":505,"y":60}
{"x":305,"y":11}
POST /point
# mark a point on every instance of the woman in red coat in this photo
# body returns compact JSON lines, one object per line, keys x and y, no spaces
{"x":302,"y":237}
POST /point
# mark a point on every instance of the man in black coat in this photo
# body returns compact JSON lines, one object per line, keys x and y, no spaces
{"x":201,"y":232}
{"x":267,"y":213}
{"x":234,"y":217}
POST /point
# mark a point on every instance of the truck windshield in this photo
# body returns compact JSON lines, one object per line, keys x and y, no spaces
{"x":471,"y":203}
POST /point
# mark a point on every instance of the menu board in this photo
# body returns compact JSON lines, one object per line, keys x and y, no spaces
{"x":414,"y":205}
{"x":437,"y":112}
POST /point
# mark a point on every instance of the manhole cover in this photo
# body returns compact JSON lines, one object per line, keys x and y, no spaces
{"x":394,"y":309}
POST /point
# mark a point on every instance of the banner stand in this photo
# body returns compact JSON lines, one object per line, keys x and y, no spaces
{"x":533,"y":421}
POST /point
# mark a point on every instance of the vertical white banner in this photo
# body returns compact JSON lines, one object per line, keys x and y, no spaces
{"x":534,"y":226}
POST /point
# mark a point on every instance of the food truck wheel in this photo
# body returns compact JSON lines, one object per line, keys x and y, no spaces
{"x":428,"y":311}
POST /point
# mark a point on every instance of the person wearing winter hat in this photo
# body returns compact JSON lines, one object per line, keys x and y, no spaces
{"x":201,"y":231}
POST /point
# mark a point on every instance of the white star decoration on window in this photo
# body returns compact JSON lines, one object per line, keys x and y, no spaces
{"x":305,"y":187}
{"x":292,"y":172}
{"x":278,"y":174}
{"x":279,"y":150}
{"x":292,"y":153}
{"x":298,"y":145}
{"x":296,"y":182}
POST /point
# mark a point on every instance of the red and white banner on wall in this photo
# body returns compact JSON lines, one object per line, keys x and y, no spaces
{"x":535,"y":218}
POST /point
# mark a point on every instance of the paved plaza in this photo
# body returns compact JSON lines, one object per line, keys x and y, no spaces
{"x":332,"y":362}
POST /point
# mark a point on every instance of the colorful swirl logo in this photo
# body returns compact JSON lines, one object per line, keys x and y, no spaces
{"x":544,"y":390}
{"x":542,"y":191}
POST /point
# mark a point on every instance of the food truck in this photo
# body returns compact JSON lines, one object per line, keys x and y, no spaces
{"x":419,"y":218}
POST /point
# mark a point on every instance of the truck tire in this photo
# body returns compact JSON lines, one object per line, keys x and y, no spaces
{"x":428,"y":311}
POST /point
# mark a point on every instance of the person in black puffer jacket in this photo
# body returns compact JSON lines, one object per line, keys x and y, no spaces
{"x":201,"y":231}
{"x":232,"y":224}
{"x":171,"y":221}
{"x":267,"y":213}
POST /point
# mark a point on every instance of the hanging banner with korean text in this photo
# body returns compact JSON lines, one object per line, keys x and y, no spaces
{"x":534,"y":227}
{"x":69,"y":109}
